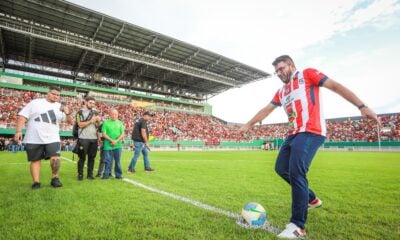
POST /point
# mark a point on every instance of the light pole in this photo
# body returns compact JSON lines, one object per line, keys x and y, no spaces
{"x":379,"y":138}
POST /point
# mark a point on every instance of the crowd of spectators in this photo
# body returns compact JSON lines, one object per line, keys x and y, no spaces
{"x":174,"y":125}
{"x":357,"y":129}
{"x":9,"y":144}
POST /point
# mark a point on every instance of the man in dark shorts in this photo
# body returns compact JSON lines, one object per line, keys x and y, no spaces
{"x":42,"y":139}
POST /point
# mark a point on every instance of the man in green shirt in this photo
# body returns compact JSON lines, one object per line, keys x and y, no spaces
{"x":113,"y":132}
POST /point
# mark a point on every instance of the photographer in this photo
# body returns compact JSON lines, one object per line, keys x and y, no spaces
{"x":102,"y":158}
{"x":88,"y":121}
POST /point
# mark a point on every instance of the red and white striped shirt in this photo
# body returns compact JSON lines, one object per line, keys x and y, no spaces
{"x":301,"y":101}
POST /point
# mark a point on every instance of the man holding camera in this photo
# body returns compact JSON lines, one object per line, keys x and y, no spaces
{"x":88,"y":121}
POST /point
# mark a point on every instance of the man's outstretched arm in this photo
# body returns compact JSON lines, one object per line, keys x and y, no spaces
{"x":263,"y":113}
{"x":351,"y":97}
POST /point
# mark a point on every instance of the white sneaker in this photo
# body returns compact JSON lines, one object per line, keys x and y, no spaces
{"x":292,"y":231}
{"x":316,"y":203}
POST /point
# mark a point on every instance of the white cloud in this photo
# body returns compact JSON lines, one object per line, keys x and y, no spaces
{"x":256,"y":31}
{"x":376,"y":12}
{"x":368,"y":73}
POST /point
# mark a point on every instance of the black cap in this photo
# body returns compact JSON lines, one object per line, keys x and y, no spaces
{"x":149,"y":114}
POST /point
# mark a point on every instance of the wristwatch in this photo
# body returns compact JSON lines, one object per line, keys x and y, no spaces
{"x":362,"y":106}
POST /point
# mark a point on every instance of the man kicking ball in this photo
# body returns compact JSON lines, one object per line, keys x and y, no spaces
{"x":300,"y":98}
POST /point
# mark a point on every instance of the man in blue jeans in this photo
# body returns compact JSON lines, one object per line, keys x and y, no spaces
{"x":300,"y":98}
{"x":113,"y":131}
{"x":140,"y":137}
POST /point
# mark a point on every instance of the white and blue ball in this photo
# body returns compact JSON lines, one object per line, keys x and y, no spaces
{"x":254,"y":214}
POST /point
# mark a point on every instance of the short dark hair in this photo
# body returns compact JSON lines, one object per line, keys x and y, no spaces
{"x":283,"y":58}
{"x":54,"y":87}
{"x":89,"y":98}
{"x":151,"y":114}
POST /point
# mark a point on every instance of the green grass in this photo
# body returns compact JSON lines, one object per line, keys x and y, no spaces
{"x":360,"y":191}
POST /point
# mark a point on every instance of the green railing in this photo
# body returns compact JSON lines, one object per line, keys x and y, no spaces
{"x":361,"y":144}
{"x":170,"y":143}
{"x":254,"y":143}
{"x":33,"y":88}
{"x":96,"y":88}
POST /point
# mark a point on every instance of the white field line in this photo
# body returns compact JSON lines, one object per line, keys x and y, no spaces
{"x":69,"y":160}
{"x":178,"y":197}
{"x":184,"y":199}
{"x":195,"y":160}
{"x":266,"y":227}
{"x":25,"y":163}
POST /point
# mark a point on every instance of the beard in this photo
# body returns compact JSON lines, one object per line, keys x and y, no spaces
{"x":285,"y":79}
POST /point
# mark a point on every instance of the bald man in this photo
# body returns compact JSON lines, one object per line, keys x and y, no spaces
{"x":113,"y":132}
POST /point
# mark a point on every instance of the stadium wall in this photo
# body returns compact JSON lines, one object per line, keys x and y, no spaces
{"x":206,"y":108}
{"x":228,"y":144}
{"x":6,"y":81}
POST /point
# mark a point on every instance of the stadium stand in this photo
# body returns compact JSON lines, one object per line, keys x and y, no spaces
{"x":199,"y":130}
{"x":132,"y":68}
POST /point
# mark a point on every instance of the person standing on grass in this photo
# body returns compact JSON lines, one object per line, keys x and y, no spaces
{"x":300,"y":98}
{"x":100,"y":170}
{"x":88,"y":122}
{"x":42,"y":138}
{"x":113,"y":132}
{"x":140,"y":137}
{"x":101,"y":149}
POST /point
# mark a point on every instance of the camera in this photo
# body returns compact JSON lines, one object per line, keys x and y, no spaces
{"x":96,"y":111}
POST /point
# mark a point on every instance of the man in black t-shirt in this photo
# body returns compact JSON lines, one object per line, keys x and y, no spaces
{"x":140,"y":137}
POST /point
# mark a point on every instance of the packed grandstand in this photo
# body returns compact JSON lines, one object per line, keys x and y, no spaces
{"x":134,"y":69}
{"x":176,"y":126}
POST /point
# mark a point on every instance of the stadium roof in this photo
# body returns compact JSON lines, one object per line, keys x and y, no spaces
{"x":65,"y":40}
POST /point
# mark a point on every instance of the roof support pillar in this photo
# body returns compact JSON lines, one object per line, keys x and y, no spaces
{"x":2,"y":51}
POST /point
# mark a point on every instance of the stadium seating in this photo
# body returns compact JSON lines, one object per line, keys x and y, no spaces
{"x":193,"y":129}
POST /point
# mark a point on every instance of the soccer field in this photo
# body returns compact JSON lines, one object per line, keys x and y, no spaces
{"x":360,"y":191}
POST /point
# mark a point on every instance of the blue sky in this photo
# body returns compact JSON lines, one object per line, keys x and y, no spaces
{"x":354,"y":42}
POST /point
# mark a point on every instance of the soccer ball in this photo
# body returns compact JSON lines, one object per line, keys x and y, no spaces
{"x":254,"y":214}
